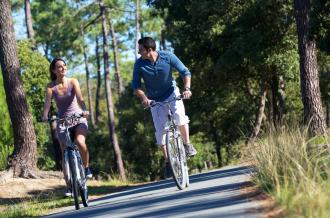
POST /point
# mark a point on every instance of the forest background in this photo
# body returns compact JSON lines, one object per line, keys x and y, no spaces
{"x":243,"y":56}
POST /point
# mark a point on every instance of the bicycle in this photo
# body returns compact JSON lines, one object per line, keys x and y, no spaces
{"x":174,"y":146}
{"x":73,"y":163}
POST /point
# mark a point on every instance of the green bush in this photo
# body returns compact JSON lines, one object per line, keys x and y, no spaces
{"x":206,"y":155}
{"x":35,"y":76}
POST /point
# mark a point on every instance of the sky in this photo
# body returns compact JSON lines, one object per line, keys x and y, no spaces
{"x":19,"y":24}
{"x":21,"y":33}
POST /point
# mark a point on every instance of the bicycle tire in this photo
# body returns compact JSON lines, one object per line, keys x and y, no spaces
{"x":74,"y":181}
{"x":174,"y":157}
{"x":84,"y":195}
{"x":82,"y":185}
{"x":183,"y":158}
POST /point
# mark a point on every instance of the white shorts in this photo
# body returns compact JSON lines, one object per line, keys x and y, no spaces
{"x":159,"y":116}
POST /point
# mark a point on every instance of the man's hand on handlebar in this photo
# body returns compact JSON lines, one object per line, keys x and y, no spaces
{"x":146,"y":102}
{"x":186,"y":94}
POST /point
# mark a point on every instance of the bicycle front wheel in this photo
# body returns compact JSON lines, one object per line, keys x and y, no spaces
{"x":176,"y":159}
{"x":74,"y":181}
{"x":83,"y":183}
{"x":183,"y":158}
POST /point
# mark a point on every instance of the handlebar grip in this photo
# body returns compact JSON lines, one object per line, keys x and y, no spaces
{"x":180,"y":97}
{"x":152,"y":103}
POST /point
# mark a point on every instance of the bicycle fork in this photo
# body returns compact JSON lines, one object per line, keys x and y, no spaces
{"x":76,"y":165}
{"x":67,"y":167}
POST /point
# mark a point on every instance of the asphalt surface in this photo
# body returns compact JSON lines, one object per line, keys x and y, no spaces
{"x":218,"y":193}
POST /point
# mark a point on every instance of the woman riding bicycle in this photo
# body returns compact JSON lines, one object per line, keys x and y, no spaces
{"x":67,"y":95}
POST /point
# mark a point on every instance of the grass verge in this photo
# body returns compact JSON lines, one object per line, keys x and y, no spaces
{"x":293,"y":169}
{"x":45,"y":202}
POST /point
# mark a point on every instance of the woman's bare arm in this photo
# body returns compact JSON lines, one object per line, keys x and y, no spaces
{"x":79,"y":96}
{"x":48,"y":99}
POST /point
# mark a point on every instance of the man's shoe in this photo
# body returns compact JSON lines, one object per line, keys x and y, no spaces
{"x":190,"y":150}
{"x":168,"y":171}
{"x":68,"y":192}
{"x":88,"y":173}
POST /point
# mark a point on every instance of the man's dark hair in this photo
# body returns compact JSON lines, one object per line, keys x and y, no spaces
{"x":147,"y":42}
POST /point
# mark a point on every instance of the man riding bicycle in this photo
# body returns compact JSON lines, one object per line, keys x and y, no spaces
{"x":155,"y":68}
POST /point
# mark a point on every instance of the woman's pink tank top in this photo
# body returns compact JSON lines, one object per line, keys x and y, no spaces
{"x":67,"y":104}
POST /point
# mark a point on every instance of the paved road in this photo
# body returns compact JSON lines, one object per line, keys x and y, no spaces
{"x":213,"y":194}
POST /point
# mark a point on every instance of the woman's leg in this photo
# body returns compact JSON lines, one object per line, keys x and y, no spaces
{"x":81,"y":132}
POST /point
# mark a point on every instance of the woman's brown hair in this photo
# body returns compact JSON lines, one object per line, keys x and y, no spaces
{"x":52,"y":67}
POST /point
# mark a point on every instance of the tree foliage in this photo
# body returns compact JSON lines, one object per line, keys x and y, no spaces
{"x":231,"y":47}
{"x":35,"y":76}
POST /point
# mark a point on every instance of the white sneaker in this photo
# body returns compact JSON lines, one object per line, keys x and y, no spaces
{"x":88,"y":173}
{"x":68,"y":192}
{"x":190,"y":150}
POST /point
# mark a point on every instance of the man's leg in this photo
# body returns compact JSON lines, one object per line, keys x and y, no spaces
{"x":182,"y":120}
{"x":184,"y":130}
{"x":163,"y":148}
{"x":167,"y":171}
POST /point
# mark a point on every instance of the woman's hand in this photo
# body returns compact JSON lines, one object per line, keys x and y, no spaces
{"x":85,"y":114}
{"x":44,"y":118}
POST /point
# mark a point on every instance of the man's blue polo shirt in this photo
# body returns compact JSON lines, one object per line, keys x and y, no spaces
{"x":157,"y":76}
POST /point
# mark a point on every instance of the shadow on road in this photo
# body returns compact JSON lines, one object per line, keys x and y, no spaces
{"x":168,"y":203}
{"x":193,"y":179}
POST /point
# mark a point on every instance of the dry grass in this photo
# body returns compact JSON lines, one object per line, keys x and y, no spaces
{"x":35,"y":197}
{"x":292,"y":171}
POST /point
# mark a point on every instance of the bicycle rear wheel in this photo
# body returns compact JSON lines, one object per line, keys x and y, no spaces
{"x":74,"y":181}
{"x":176,"y":160}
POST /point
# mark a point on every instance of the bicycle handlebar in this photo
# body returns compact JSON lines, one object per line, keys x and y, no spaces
{"x":73,"y":116}
{"x":154,"y":103}
{"x":54,"y":118}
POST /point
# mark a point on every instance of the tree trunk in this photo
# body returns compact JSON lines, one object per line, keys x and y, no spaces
{"x":89,"y":94}
{"x":217,"y":144}
{"x":327,"y":103}
{"x":137,"y":27}
{"x":108,"y":94}
{"x":23,"y":161}
{"x":281,"y":98}
{"x":309,"y":78}
{"x":46,"y":51}
{"x":28,"y":20}
{"x":98,"y":87}
{"x":56,"y":143}
{"x":259,"y":115}
{"x":162,"y":41}
{"x":120,"y":87}
{"x":275,"y":99}
{"x":269,"y":109}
